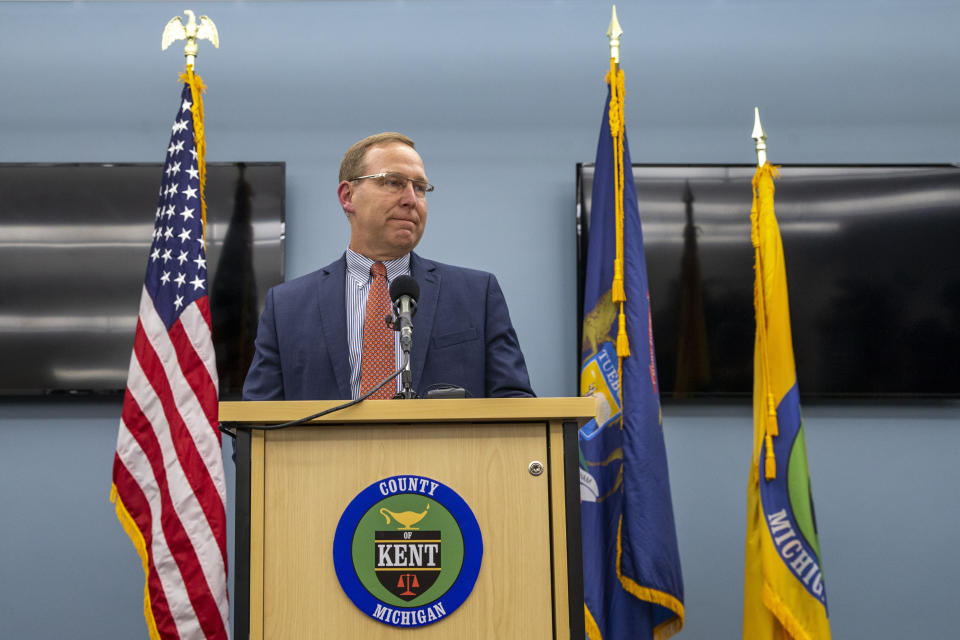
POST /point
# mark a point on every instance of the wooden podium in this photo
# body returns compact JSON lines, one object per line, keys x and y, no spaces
{"x":294,"y":484}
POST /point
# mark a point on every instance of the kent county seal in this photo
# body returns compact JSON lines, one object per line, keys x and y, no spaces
{"x":407,"y":551}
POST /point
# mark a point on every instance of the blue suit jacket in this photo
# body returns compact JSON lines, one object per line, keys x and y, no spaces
{"x":462,"y":336}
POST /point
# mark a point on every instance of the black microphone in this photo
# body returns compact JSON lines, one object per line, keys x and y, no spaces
{"x":404,"y":291}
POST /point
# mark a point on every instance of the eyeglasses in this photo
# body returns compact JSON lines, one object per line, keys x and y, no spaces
{"x":397,"y":182}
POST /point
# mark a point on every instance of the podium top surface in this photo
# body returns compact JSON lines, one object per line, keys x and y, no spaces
{"x":446,"y":410}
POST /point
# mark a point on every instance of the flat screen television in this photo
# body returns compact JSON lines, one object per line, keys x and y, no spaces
{"x":873,"y":271}
{"x":74,"y":241}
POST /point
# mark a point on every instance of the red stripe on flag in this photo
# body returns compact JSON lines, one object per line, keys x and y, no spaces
{"x":194,"y":468}
{"x":203,"y":304}
{"x":182,"y":550}
{"x":191,"y":364}
{"x":137,"y":506}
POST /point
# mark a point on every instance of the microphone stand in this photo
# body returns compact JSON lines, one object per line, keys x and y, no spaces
{"x":406,"y":378}
{"x":405,"y":327}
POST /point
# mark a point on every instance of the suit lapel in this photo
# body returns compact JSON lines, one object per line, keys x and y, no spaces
{"x":426,"y":274}
{"x":333,"y":320}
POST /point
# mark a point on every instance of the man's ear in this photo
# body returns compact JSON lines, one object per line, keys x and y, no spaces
{"x":345,"y":195}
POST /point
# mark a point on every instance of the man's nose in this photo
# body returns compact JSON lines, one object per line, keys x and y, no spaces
{"x":408,"y":195}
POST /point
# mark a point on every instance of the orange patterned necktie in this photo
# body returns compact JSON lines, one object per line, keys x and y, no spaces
{"x":377,"y":357}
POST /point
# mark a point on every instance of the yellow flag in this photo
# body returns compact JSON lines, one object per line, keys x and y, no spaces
{"x":784,"y":591}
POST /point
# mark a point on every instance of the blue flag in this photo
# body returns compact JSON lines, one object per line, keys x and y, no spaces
{"x":633,"y":587}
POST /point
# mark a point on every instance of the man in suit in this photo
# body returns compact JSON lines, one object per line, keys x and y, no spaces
{"x":310,"y":339}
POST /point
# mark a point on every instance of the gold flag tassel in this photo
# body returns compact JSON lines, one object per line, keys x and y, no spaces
{"x":619,"y":295}
{"x":196,"y":109}
{"x":765,"y":174}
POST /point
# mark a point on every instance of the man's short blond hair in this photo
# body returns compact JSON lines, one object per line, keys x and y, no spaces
{"x":352,"y":165}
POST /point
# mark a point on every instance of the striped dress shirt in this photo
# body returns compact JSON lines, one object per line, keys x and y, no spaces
{"x":358,"y":284}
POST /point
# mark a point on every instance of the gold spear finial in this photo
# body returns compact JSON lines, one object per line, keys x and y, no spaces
{"x":193,"y":31}
{"x":760,"y":138}
{"x":614,"y":32}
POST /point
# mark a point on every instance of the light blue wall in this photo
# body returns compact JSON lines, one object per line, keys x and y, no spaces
{"x":503,"y":98}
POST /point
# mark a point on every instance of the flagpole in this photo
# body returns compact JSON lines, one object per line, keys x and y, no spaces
{"x":618,"y":288}
{"x":764,"y":172}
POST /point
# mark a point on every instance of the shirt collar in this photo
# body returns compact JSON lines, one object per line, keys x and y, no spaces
{"x":358,"y":266}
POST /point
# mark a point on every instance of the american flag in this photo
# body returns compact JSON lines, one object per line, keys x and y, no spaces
{"x":168,"y":482}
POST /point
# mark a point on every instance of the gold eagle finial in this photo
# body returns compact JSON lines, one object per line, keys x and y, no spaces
{"x":193,"y":31}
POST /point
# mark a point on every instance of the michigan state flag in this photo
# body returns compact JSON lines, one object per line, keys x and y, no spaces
{"x":631,"y":567}
{"x":784,"y":593}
